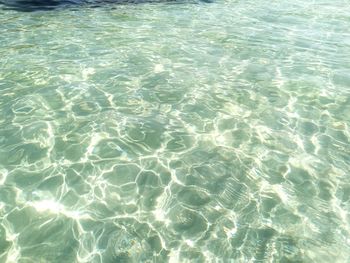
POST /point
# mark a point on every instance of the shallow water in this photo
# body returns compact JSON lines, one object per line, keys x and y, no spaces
{"x":176,"y":133}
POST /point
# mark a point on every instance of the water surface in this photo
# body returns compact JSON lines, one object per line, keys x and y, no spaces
{"x":176,"y":133}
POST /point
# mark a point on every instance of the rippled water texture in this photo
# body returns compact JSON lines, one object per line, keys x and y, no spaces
{"x":176,"y":133}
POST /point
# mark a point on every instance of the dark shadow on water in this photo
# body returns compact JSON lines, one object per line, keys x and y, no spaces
{"x":46,"y":5}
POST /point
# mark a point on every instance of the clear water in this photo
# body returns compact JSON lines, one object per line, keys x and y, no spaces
{"x":176,"y":133}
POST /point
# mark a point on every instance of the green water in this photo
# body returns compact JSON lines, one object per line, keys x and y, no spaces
{"x":176,"y":133}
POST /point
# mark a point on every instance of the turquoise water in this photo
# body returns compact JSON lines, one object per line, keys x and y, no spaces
{"x":176,"y":133}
